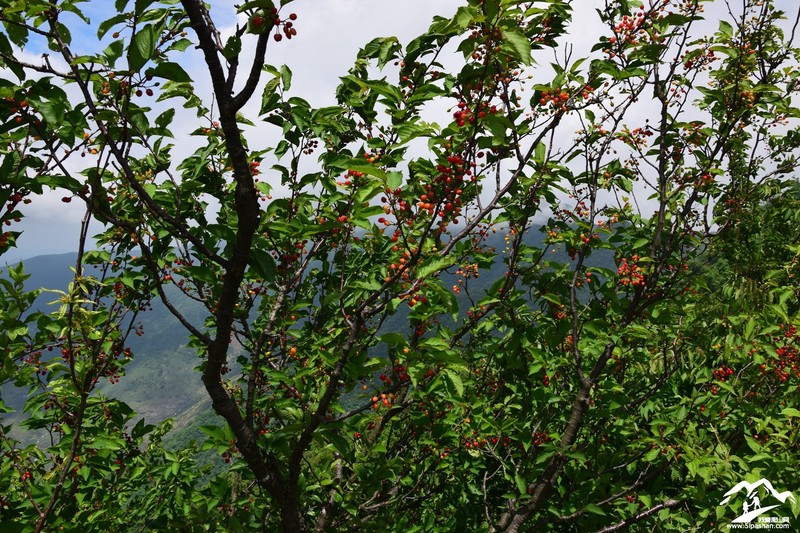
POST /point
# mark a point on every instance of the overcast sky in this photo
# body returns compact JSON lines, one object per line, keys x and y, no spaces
{"x":330,"y":32}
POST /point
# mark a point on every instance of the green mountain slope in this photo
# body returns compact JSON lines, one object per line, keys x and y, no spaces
{"x":160,"y":382}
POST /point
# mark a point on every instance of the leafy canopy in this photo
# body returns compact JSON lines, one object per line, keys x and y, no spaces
{"x":568,"y":302}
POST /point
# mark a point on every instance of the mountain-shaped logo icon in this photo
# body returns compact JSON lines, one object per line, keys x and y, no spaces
{"x":752,"y":505}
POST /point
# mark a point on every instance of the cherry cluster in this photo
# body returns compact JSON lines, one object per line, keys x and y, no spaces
{"x":540,"y":437}
{"x":464,"y":115}
{"x":474,"y":443}
{"x":466,"y":272}
{"x":401,"y":371}
{"x":349,"y":177}
{"x":559,"y":311}
{"x":107,"y":364}
{"x":502,"y":439}
{"x":288,"y":27}
{"x":34,"y":360}
{"x":13,"y":201}
{"x":630,"y":274}
{"x":629,"y":30}
{"x":557,"y":98}
{"x":699,"y":59}
{"x":635,"y":138}
{"x":788,"y":361}
{"x":384,"y":398}
{"x":723,"y":372}
{"x":4,"y":238}
{"x":285,"y":26}
{"x":19,"y":108}
{"x":147,"y":84}
{"x":488,"y":39}
{"x":400,"y":264}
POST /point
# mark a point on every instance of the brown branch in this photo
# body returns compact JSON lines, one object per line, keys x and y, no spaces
{"x":38,"y":68}
{"x":265,"y":469}
{"x":666,"y":504}
{"x":255,"y":73}
{"x":153,"y":267}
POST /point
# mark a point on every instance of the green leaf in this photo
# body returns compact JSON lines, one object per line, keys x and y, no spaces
{"x":141,"y":429}
{"x":725,"y":28}
{"x":113,"y":52}
{"x":12,"y":527}
{"x":394,"y":179}
{"x":4,"y":408}
{"x":749,"y":327}
{"x":517,"y":45}
{"x":53,"y":112}
{"x":465,"y":16}
{"x":455,"y":381}
{"x":5,"y":47}
{"x":263,"y":264}
{"x":141,"y":5}
{"x":522,"y":485}
{"x":434,"y":264}
{"x":170,"y":71}
{"x":410,"y":130}
{"x":286,"y":77}
{"x":217,"y":434}
{"x":540,"y":153}
{"x":595,"y":509}
{"x":384,"y":49}
{"x":232,"y":47}
{"x":165,"y":119}
{"x":107,"y":24}
{"x":341,"y":444}
{"x":142,"y":48}
{"x":753,"y":443}
{"x":102,"y":443}
{"x":19,"y":331}
{"x":652,"y":454}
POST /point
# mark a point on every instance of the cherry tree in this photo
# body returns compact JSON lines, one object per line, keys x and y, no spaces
{"x":504,"y":316}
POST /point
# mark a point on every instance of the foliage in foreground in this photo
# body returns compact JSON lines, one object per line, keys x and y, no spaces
{"x":570,"y":396}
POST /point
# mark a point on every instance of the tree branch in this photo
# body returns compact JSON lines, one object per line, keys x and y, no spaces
{"x":667,"y":504}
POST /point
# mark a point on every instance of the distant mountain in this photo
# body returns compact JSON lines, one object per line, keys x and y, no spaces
{"x":160,"y":381}
{"x":47,"y":271}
